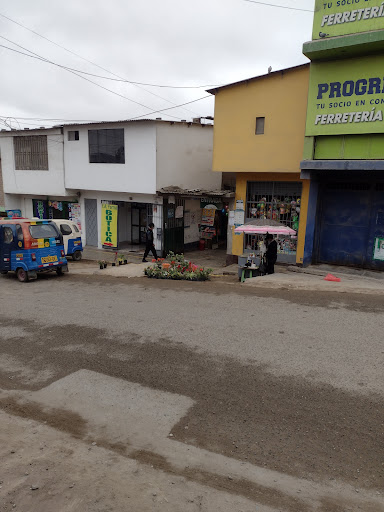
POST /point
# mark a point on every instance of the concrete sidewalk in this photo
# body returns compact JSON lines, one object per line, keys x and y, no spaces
{"x":92,"y":268}
{"x":214,"y":258}
{"x":309,"y":282}
{"x":286,"y":277}
{"x":323,"y":270}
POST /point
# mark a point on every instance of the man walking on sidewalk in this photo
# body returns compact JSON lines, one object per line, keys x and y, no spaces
{"x":271,"y":253}
{"x":150,"y":246}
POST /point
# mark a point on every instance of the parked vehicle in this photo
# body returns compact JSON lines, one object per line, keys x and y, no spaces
{"x":73,"y":245}
{"x":29,"y":246}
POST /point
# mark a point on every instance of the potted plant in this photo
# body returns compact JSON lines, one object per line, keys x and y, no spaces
{"x":101,"y":264}
{"x":121,"y":259}
{"x":105,"y":264}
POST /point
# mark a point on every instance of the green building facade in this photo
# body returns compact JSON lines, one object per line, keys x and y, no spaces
{"x":344,"y":143}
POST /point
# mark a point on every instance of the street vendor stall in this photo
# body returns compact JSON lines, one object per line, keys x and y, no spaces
{"x":253,"y":262}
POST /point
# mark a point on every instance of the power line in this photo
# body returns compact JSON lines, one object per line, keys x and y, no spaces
{"x":53,"y":119}
{"x":119,"y":79}
{"x":89,"y":61}
{"x":170,"y":108}
{"x":39,"y":57}
{"x":85,"y":72}
{"x":274,"y":5}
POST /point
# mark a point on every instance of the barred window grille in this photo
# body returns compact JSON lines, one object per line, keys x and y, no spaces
{"x":278,"y":201}
{"x":106,"y":146}
{"x":31,"y":153}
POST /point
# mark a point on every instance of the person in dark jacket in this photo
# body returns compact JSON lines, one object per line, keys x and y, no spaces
{"x":150,"y":246}
{"x":271,"y":253}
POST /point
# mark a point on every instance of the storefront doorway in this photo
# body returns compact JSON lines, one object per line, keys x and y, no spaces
{"x":141,"y":215}
{"x":279,"y":201}
{"x":350,"y":228}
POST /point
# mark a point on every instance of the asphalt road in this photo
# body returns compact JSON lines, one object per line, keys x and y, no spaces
{"x":287,"y":381}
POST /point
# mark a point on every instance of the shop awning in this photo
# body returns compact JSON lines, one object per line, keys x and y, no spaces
{"x":258,"y":227}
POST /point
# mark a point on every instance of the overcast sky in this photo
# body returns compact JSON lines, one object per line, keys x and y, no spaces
{"x":167,"y":42}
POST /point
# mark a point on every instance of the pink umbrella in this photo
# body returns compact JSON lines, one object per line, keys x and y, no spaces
{"x":262,"y":230}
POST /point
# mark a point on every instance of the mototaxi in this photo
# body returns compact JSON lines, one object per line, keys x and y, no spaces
{"x":73,"y":245}
{"x":29,"y":247}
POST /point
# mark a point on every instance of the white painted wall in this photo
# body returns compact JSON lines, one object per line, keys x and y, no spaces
{"x":48,"y":183}
{"x":192,"y":234}
{"x":184,"y":156}
{"x":137,"y":175}
{"x":112,"y":196}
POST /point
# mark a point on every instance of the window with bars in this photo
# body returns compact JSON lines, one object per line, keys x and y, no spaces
{"x":277,"y":201}
{"x":106,"y":146}
{"x":31,"y":153}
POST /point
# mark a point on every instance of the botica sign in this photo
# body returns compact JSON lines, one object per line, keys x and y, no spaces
{"x":346,"y":99}
{"x":342,"y":17}
{"x":109,"y":214}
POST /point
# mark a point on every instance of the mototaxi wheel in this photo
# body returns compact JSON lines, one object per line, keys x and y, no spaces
{"x":77,"y":255}
{"x":22,"y":275}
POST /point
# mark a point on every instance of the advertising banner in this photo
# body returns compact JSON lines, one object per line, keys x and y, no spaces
{"x":109,"y":214}
{"x":208,"y":217}
{"x":346,"y":99}
{"x":378,"y":249}
{"x":13,"y":214}
{"x":342,"y":17}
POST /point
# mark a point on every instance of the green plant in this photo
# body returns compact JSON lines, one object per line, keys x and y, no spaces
{"x":178,"y":270}
{"x":177,"y":258}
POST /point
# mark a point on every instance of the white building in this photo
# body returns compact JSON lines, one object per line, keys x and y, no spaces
{"x":69,"y":171}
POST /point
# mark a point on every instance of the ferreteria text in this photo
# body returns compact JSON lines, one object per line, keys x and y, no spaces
{"x":350,"y":117}
{"x":356,"y":15}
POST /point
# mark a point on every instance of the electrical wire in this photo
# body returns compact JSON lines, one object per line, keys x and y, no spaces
{"x":93,"y":74}
{"x":73,"y":69}
{"x":93,"y":63}
{"x":170,"y":108}
{"x":39,"y":57}
{"x":119,"y":79}
{"x":273,"y":5}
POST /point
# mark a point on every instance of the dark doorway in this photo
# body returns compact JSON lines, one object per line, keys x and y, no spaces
{"x":173,"y":226}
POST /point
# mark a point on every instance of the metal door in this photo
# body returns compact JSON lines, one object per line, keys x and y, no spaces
{"x":376,"y":230}
{"x":345,"y":212}
{"x":141,"y":217}
{"x":91,"y":231}
{"x":173,"y":227}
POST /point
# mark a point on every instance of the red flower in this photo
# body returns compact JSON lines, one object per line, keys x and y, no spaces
{"x":201,"y":270}
{"x":172,"y":262}
{"x":153,"y":261}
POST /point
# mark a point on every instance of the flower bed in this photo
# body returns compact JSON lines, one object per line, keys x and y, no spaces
{"x":178,"y":268}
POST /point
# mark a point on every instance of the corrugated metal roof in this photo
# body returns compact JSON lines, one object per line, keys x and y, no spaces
{"x":259,"y":77}
{"x":195,"y":192}
{"x":123,"y":121}
{"x":132,"y":121}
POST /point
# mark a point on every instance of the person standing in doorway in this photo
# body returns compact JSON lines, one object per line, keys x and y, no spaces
{"x":271,"y":253}
{"x":150,"y":246}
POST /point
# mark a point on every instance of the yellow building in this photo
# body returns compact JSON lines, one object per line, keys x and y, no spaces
{"x":259,"y":135}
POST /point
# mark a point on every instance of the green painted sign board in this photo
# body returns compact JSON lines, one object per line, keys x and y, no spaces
{"x":346,"y":98}
{"x":342,"y":17}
